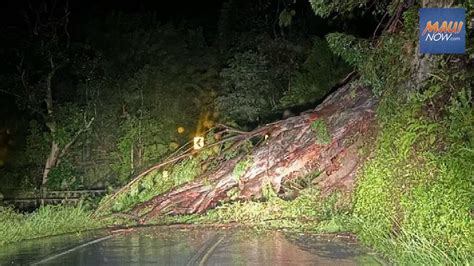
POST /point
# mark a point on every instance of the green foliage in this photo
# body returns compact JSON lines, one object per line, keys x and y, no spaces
{"x":154,"y":80}
{"x":308,"y":212}
{"x":139,"y":144}
{"x":469,"y":6}
{"x":131,"y":71}
{"x":268,"y":192}
{"x":285,"y":17}
{"x":158,"y":182}
{"x":247,"y":88}
{"x":241,"y":167}
{"x":46,"y":221}
{"x":64,"y":177}
{"x":70,"y":119}
{"x":317,"y":76}
{"x":349,"y":8}
{"x":326,"y":8}
{"x":381,"y":64}
{"x":320,"y":128}
{"x":413,"y":249}
{"x":414,"y":198}
{"x":348,"y":47}
{"x":385,"y":62}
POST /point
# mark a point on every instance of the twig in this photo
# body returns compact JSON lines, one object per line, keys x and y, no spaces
{"x":378,"y":26}
{"x":168,"y":161}
{"x":184,"y":154}
{"x":137,"y":178}
{"x":231,"y":129}
{"x":11,"y":93}
{"x":76,"y":136}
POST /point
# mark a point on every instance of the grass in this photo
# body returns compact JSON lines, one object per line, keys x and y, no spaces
{"x":414,"y":249}
{"x":46,"y":221}
{"x":414,"y":198}
{"x":308,"y":212}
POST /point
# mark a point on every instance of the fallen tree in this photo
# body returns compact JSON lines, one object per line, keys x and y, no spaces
{"x":325,"y":140}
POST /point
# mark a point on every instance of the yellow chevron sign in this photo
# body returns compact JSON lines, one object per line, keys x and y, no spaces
{"x":198,"y":143}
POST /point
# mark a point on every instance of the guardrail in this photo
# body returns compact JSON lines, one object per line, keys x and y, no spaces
{"x":31,"y":199}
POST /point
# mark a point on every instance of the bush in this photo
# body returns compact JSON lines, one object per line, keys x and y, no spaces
{"x":318,"y":75}
{"x":380,"y":64}
{"x":64,"y":176}
{"x":383,"y":63}
{"x":247,"y":90}
{"x":156,"y":183}
{"x":414,"y":198}
{"x":325,"y":8}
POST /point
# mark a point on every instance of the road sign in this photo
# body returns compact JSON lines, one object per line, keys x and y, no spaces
{"x":198,"y":143}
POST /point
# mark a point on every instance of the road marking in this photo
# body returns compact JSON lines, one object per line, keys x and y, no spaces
{"x":203,"y":254}
{"x":210,"y":251}
{"x":72,"y":249}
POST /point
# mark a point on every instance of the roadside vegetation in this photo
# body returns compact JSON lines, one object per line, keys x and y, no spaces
{"x":46,"y":221}
{"x":414,"y":197}
{"x":309,"y":212}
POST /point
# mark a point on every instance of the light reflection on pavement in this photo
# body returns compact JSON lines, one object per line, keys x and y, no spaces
{"x":187,"y":246}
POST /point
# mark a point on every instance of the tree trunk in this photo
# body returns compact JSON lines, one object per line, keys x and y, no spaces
{"x":293,"y":148}
{"x":54,"y":152}
{"x":51,"y":161}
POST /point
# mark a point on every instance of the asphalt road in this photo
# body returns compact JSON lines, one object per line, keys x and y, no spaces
{"x":187,"y":246}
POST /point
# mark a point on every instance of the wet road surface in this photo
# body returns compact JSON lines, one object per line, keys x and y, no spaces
{"x":198,"y":246}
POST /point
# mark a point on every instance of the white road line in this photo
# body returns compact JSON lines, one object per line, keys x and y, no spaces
{"x":72,"y":249}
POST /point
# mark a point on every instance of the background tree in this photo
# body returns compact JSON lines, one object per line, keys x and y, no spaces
{"x":41,"y":57}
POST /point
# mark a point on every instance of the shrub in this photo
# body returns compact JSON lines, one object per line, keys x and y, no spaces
{"x":156,"y":183}
{"x":317,"y":76}
{"x":247,"y":88}
{"x":380,"y":64}
{"x":414,"y":198}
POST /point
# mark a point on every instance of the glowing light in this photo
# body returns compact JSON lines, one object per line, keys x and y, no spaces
{"x":180,"y":130}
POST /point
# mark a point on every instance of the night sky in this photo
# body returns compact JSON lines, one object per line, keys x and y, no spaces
{"x":206,"y":12}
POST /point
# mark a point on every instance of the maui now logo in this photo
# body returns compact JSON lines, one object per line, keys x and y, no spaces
{"x":442,"y":30}
{"x":443,"y":33}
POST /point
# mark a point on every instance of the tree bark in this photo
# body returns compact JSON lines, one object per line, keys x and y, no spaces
{"x":54,"y":152}
{"x":291,"y":150}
